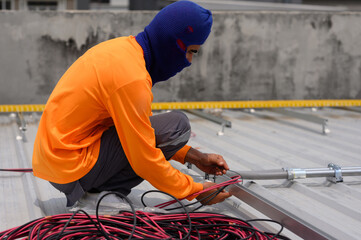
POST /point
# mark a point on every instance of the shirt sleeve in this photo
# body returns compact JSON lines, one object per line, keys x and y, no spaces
{"x":130,"y":108}
{"x":181,"y":154}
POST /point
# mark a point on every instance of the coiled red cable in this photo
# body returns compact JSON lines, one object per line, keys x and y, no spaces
{"x":150,"y":226}
{"x":142,"y":225}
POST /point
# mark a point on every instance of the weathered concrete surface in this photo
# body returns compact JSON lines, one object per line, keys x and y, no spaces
{"x":249,"y":55}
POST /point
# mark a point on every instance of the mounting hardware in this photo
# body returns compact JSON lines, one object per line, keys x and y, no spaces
{"x":206,"y":176}
{"x":338,"y":173}
{"x":20,"y":121}
{"x":325,"y":129}
{"x":214,"y":178}
{"x":221,"y":132}
{"x":189,"y":165}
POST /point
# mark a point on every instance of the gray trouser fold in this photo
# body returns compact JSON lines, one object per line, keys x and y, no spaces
{"x":112,"y":171}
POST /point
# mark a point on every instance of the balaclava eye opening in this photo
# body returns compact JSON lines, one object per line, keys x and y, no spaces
{"x":166,"y":38}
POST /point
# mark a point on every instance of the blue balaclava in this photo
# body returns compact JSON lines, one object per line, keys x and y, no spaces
{"x":166,"y":38}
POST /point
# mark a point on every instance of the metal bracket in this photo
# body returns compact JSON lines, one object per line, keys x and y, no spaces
{"x":325,"y":129}
{"x":221,"y":132}
{"x":20,"y":121}
{"x":338,"y":173}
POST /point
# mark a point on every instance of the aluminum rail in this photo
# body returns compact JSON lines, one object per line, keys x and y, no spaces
{"x":333,"y":172}
{"x":303,"y":116}
{"x":211,"y":117}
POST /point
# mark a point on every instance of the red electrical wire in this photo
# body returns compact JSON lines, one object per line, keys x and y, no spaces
{"x":142,"y":225}
{"x":234,"y":180}
{"x":151,"y":226}
{"x":16,"y":170}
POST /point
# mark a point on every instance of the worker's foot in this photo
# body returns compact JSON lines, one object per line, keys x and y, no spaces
{"x":86,"y":203}
{"x":110,"y":204}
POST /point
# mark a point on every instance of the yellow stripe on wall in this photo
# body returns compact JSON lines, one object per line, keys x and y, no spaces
{"x":217,"y":104}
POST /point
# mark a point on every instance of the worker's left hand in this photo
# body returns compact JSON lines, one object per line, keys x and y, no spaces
{"x":213,"y":164}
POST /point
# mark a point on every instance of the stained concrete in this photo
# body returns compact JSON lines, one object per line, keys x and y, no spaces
{"x":249,"y":55}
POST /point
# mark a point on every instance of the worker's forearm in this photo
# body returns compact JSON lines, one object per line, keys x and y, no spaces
{"x":194,"y":156}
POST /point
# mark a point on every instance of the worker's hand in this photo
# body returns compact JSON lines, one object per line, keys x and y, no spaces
{"x":219,"y":198}
{"x":207,"y":162}
{"x":213,"y":164}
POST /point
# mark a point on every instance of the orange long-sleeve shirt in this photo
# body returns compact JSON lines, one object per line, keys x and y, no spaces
{"x":108,"y":85}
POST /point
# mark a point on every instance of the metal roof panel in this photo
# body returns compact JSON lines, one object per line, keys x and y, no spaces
{"x":258,"y":140}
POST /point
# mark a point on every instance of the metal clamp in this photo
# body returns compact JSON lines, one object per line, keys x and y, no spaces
{"x":206,"y":176}
{"x":338,"y":173}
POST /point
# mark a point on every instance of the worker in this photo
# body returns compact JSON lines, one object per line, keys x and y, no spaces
{"x":97,"y":132}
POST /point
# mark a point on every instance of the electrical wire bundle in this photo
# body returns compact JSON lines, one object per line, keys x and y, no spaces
{"x":148,"y":226}
{"x":220,"y":187}
{"x":143,"y":225}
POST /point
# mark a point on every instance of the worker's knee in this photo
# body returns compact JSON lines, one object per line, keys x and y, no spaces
{"x":183,"y":121}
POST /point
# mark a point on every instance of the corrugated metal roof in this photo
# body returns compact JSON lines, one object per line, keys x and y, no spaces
{"x":258,"y":140}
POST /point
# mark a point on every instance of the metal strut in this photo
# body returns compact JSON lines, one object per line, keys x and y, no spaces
{"x":333,"y":173}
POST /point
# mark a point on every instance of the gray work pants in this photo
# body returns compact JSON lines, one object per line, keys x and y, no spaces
{"x":112,"y":171}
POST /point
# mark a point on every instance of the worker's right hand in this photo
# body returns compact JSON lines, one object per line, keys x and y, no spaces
{"x":219,"y":198}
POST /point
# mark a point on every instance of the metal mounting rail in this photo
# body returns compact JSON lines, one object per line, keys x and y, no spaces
{"x":333,"y":173}
{"x":275,"y":212}
{"x":303,"y":116}
{"x":352,"y":109}
{"x":224,"y":123}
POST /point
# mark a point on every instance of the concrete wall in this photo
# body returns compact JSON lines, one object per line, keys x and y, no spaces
{"x":249,"y":55}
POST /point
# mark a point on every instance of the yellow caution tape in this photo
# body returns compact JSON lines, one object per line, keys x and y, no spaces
{"x":22,"y":108}
{"x":217,"y":104}
{"x":257,"y":104}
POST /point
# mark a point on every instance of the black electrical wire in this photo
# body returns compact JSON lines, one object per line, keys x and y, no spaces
{"x":269,"y":220}
{"x":173,"y":226}
{"x":130,"y":204}
{"x":211,"y":196}
{"x":18,"y":228}
{"x":186,"y":225}
{"x":86,"y":214}
{"x":179,"y":202}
